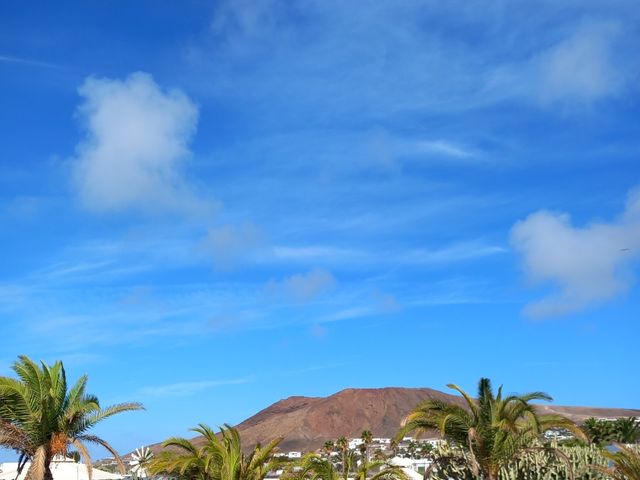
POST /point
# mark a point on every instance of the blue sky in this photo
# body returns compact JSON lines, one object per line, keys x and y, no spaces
{"x":209,"y":206}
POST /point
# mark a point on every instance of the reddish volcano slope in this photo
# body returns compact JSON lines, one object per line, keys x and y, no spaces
{"x":306,"y":423}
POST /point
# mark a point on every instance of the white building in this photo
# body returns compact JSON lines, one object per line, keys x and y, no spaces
{"x":382,"y":441}
{"x":355,"y":443}
{"x":418,"y":465}
{"x":62,"y":469}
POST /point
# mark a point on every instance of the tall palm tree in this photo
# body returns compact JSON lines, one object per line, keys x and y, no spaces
{"x":625,"y":463}
{"x":343,"y":445}
{"x":367,"y":438}
{"x":40,"y":417}
{"x":494,"y":430}
{"x":221,"y":457}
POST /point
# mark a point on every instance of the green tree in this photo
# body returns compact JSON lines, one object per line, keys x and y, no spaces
{"x":625,"y":463}
{"x":627,"y":430}
{"x":492,"y":429}
{"x":221,"y":457}
{"x":41,"y":417}
{"x":605,"y":432}
{"x":599,"y":432}
{"x":412,"y":449}
{"x":328,"y":447}
{"x":343,"y":445}
{"x":314,"y":467}
{"x":367,"y":438}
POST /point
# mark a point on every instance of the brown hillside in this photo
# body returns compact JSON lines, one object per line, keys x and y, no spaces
{"x":306,"y":423}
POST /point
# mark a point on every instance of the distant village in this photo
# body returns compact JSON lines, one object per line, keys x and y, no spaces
{"x":411,"y":454}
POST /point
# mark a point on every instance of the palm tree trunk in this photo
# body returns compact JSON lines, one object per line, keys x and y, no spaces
{"x":491,"y":475}
{"x":48,"y":475}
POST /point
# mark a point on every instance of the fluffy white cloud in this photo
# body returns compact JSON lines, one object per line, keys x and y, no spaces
{"x":303,"y":287}
{"x":588,"y":264}
{"x":136,"y":138}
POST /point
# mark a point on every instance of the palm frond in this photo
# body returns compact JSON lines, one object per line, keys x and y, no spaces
{"x":104,"y":444}
{"x":84,"y":454}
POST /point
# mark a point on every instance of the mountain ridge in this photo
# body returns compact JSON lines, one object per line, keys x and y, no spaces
{"x":305,"y":423}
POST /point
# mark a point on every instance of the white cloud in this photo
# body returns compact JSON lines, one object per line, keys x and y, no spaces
{"x":137,"y":137}
{"x":313,"y":252}
{"x":229,"y":243}
{"x":581,"y":68}
{"x":303,"y":286}
{"x":456,"y":252}
{"x":350,"y":313}
{"x":444,"y":148}
{"x":588,"y":264}
{"x":183,"y":389}
{"x":26,"y":62}
{"x":442,"y":57}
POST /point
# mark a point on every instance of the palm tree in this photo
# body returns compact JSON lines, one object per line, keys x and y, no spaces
{"x":625,"y":463}
{"x":314,"y":467}
{"x":14,"y":438}
{"x":627,"y":430}
{"x":494,"y":430}
{"x":40,"y":417}
{"x":367,"y":438}
{"x":412,"y":448}
{"x":605,"y":432}
{"x":221,"y":457}
{"x":343,"y":445}
{"x":382,"y":469}
{"x":328,"y":447}
{"x":186,"y":460}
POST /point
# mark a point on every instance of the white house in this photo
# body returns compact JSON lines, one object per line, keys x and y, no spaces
{"x":382,"y":441}
{"x":415,"y":464}
{"x":62,"y":469}
{"x":355,"y":443}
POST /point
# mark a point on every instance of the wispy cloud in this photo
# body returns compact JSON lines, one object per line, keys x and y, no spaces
{"x":229,"y":244}
{"x":583,"y":68}
{"x":452,"y":253}
{"x":411,"y":63}
{"x":185,"y":389}
{"x":444,"y":147}
{"x":27,"y":62}
{"x":67,"y":270}
{"x":309,"y":253}
{"x":350,"y":314}
{"x":302,"y":287}
{"x":457,"y":252}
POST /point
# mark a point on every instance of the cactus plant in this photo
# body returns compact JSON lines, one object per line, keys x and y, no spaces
{"x":537,"y":463}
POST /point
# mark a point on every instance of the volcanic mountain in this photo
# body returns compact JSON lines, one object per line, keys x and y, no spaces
{"x":306,"y":423}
